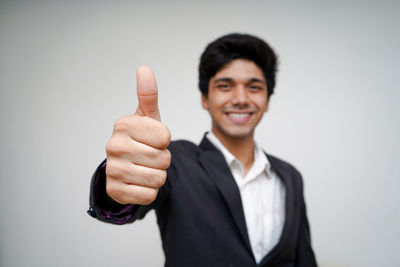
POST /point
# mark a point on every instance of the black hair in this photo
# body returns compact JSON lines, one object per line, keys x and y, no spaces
{"x":237,"y":46}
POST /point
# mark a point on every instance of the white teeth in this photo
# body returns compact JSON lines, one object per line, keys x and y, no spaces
{"x":238,"y":115}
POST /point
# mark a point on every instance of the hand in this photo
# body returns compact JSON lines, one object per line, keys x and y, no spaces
{"x":137,"y":154}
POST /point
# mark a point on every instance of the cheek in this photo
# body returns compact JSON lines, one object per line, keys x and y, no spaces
{"x":265,"y":105}
{"x":217,"y":101}
{"x":261,"y":103}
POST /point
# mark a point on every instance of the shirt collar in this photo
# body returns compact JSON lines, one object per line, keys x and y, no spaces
{"x":225,"y":152}
{"x":261,"y":162}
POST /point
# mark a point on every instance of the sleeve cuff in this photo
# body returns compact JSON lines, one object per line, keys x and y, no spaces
{"x":103,"y":206}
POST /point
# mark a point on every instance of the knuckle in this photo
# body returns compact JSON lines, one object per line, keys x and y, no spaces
{"x":113,"y":169}
{"x":111,"y":146}
{"x":149,"y":196}
{"x":160,"y":178}
{"x":122,"y":124}
{"x":164,"y":137}
{"x":115,"y":192}
{"x":121,"y":195}
{"x":165,"y":159}
{"x":163,"y":177}
{"x":114,"y":147}
{"x":110,"y":169}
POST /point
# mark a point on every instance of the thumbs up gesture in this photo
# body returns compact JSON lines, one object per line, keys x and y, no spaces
{"x":137,"y":154}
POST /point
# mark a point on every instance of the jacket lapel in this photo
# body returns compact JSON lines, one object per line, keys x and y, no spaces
{"x":290,"y":206}
{"x":215,"y":165}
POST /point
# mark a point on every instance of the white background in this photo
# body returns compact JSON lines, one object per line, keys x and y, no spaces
{"x":67,"y":71}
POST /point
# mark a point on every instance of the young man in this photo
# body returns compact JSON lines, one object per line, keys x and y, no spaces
{"x":223,"y":202}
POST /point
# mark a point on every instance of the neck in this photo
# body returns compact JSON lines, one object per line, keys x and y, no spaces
{"x":242,"y":148}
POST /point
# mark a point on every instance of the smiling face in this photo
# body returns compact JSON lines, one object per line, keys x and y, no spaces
{"x":237,"y":99}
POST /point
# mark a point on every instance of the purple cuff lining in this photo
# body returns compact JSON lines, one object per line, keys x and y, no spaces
{"x":107,"y":208}
{"x":114,"y":217}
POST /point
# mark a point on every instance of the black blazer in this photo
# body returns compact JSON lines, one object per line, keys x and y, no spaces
{"x":200,"y":214}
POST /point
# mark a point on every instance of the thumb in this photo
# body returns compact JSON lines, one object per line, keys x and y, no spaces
{"x":147,"y":93}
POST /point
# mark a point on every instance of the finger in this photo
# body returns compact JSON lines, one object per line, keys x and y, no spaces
{"x":149,"y":156}
{"x":144,"y":130}
{"x":140,"y":154}
{"x":130,"y":194}
{"x":150,"y":132}
{"x":147,"y":93}
{"x":129,"y":173}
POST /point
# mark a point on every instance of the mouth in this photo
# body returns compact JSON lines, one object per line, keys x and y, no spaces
{"x":239,"y":118}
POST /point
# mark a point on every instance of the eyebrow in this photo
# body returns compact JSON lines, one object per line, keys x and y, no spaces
{"x":227,"y":79}
{"x":256,"y":80}
{"x":223,"y":79}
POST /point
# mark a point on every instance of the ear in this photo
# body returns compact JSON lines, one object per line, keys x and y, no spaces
{"x":204,"y":101}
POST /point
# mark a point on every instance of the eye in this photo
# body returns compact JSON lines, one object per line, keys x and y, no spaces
{"x":255,"y":87}
{"x":223,"y":86}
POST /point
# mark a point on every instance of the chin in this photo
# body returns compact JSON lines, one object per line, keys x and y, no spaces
{"x":238,"y":134}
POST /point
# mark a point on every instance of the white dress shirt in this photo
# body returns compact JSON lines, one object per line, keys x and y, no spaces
{"x":263,"y":198}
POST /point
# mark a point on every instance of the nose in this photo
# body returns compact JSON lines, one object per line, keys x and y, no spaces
{"x":240,"y":96}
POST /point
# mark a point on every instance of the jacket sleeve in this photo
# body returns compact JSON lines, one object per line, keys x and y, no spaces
{"x":106,"y":209}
